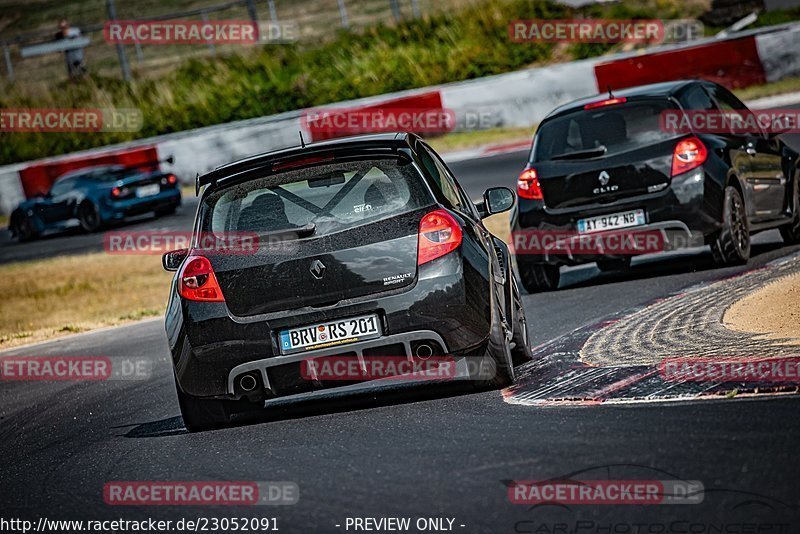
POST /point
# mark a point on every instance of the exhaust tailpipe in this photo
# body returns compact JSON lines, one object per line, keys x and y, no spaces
{"x":248,"y":383}
{"x":423,"y":351}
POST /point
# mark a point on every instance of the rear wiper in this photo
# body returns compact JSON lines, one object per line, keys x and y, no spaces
{"x":581,"y":154}
{"x":301,"y":231}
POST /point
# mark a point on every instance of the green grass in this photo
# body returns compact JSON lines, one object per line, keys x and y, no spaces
{"x":789,"y":85}
{"x":463,"y":140}
{"x":771,"y":18}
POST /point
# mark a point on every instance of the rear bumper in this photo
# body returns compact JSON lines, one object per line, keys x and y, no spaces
{"x":576,"y":249}
{"x":682,"y":215}
{"x":447,"y":307}
{"x":119,"y":209}
{"x":284,"y":375}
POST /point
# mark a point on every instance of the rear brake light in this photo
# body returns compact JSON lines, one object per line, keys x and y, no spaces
{"x":172,"y":179}
{"x":606,"y":102}
{"x":689,"y":154}
{"x":300,"y":162}
{"x":120,"y":192}
{"x":439,"y":234}
{"x":528,"y":185}
{"x":197,"y":281}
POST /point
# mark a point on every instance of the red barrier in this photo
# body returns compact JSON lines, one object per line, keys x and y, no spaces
{"x":734,"y":63}
{"x":37,"y":178}
{"x":430,"y":102}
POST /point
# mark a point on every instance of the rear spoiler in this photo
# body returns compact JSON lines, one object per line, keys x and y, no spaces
{"x":324,"y":152}
{"x":168,"y":159}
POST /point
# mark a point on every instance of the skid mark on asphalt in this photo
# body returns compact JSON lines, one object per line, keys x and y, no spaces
{"x":617,"y":359}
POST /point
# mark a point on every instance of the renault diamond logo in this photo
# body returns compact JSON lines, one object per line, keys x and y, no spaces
{"x":604,"y":178}
{"x":318,"y":269}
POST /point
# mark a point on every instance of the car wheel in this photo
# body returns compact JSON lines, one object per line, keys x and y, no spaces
{"x":732,"y":244}
{"x":617,"y":264}
{"x":521,"y":351}
{"x":504,"y":367}
{"x":89,"y":217}
{"x":202,"y":414}
{"x":500,"y":350}
{"x":791,"y":232}
{"x":24,"y":229}
{"x":494,"y":369}
{"x":537,"y":277}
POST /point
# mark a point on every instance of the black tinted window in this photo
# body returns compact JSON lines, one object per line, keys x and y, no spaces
{"x":733,"y":108}
{"x":618,"y":128}
{"x":440,"y":177}
{"x":62,"y":186}
{"x":698,"y":99}
{"x":330,"y":197}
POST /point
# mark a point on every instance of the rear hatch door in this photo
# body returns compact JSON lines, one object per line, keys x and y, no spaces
{"x":604,"y":154}
{"x":324,"y":234}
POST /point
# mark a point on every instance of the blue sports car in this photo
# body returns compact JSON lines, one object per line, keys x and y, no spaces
{"x":96,"y":196}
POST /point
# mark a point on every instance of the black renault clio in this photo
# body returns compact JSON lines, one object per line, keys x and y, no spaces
{"x":611,"y":165}
{"x":366,"y":247}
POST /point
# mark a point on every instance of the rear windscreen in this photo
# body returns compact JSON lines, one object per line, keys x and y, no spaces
{"x":618,"y":128}
{"x":319,"y":200}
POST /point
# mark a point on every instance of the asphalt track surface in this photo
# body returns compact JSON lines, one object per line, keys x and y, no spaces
{"x":428,"y":453}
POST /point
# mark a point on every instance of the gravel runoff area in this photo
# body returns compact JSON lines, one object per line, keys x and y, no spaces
{"x":771,"y":313}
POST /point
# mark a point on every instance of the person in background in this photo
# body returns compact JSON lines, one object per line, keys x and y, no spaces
{"x":76,"y":67}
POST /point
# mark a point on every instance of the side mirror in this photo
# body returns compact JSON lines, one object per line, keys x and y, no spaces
{"x":498,"y":200}
{"x":172,"y":260}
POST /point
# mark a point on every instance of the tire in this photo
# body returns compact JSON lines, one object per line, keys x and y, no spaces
{"x":732,"y":244}
{"x":500,"y":351}
{"x":617,"y":264}
{"x":521,"y":351}
{"x":207,"y":414}
{"x":493,"y":369}
{"x":538,"y":277}
{"x":89,"y":217}
{"x":202,"y":414}
{"x":504,"y":367}
{"x":791,"y":232}
{"x":24,"y":229}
